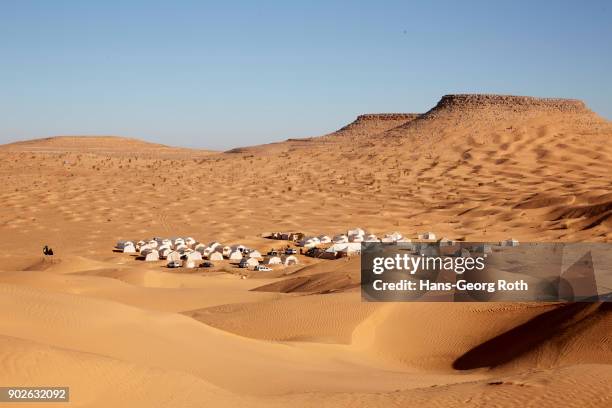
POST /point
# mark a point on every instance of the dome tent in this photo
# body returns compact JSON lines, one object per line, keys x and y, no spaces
{"x":215,"y":256}
{"x":129,"y":248}
{"x":153,"y":255}
{"x":273,"y":260}
{"x":173,"y":256}
{"x":235,"y":256}
{"x":290,"y":260}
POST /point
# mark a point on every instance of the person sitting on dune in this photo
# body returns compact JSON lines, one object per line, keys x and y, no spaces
{"x":47,"y":251}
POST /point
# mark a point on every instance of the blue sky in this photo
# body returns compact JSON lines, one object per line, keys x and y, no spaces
{"x":234,"y":73}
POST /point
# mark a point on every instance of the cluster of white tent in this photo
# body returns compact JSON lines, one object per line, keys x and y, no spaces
{"x":358,"y":235}
{"x":349,"y":243}
{"x":187,"y":250}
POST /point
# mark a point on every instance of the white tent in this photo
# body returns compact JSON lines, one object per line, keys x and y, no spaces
{"x":190,"y":241}
{"x":166,"y":242}
{"x":194,"y":256}
{"x":311,"y":242}
{"x":427,"y":236}
{"x":251,"y":263}
{"x":340,"y":239}
{"x":178,"y":241}
{"x":290,"y":260}
{"x":163,"y":246}
{"x":121,"y":244}
{"x":153,"y":243}
{"x":273,"y":260}
{"x":163,"y":252}
{"x":240,"y":248}
{"x":200,"y":247}
{"x":308,"y":242}
{"x":129,"y":248}
{"x":215,"y":256}
{"x":356,"y":238}
{"x":392,"y":237}
{"x":227,"y":251}
{"x":255,"y":254}
{"x":152,"y":256}
{"x":173,"y":256}
{"x":146,"y":249}
{"x":324,"y":239}
{"x":235,"y":256}
{"x":371,"y":238}
{"x":349,"y":248}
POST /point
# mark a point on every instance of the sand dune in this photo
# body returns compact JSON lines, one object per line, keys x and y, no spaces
{"x":316,"y":318}
{"x":124,"y":332}
{"x":93,"y":378}
{"x":536,"y":388}
{"x":148,"y":289}
{"x":519,"y":335}
{"x":180,"y":343}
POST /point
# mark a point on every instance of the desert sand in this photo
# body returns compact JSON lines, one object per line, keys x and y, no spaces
{"x":122,"y":332}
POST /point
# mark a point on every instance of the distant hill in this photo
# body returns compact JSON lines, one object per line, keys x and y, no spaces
{"x":96,"y":144}
{"x":459,"y":112}
{"x":474,"y":165}
{"x":364,"y":126}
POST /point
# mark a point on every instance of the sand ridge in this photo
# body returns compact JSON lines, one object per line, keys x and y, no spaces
{"x":371,"y":124}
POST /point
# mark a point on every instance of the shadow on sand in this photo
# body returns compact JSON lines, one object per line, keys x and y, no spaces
{"x":520,"y":340}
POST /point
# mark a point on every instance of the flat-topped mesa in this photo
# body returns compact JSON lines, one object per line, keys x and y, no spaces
{"x":386,"y":116}
{"x":511,"y":102}
{"x":487,"y":111}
